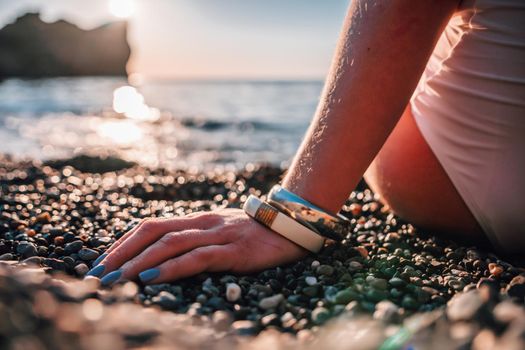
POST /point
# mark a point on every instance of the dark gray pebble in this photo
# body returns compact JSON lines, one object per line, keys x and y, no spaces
{"x":325,"y":270}
{"x":26,"y":249}
{"x":516,"y":287}
{"x":81,"y":269}
{"x":73,"y":247}
{"x":6,"y":256}
{"x":33,"y":260}
{"x":88,"y":254}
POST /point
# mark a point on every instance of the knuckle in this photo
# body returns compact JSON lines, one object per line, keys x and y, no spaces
{"x":204,"y":219}
{"x":114,"y":257}
{"x":130,"y":265}
{"x":144,"y":221}
{"x":148,"y":224}
{"x":168,"y":238}
{"x":222,"y":234}
{"x":202,"y":255}
{"x":150,"y":227}
{"x":189,"y":233}
{"x":210,"y":217}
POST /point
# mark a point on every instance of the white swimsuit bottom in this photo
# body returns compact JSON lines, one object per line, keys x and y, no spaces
{"x":470,"y":108}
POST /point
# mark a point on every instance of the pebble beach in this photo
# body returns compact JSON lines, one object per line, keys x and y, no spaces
{"x":388,"y":285}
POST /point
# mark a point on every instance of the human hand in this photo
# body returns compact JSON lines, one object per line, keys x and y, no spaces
{"x":164,"y":250}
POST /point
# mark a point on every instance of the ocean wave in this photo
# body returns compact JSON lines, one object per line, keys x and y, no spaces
{"x":212,"y":125}
{"x":199,"y":125}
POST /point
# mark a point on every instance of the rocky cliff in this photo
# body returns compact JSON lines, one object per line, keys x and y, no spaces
{"x":33,"y":48}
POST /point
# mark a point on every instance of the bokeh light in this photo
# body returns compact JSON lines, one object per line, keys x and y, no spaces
{"x":122,"y":8}
{"x":122,"y":132}
{"x":128,"y":101}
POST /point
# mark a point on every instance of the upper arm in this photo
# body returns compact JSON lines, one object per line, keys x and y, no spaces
{"x":394,"y":35}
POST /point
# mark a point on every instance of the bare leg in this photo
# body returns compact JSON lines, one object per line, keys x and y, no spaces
{"x":410,"y":179}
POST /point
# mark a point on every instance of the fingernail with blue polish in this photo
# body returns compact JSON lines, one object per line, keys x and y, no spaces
{"x":99,"y":259}
{"x":148,"y":275}
{"x":97,"y":271}
{"x":111,"y":278}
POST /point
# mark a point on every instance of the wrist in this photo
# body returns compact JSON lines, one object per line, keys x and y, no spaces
{"x":308,"y":214}
{"x":312,"y":193}
{"x":282,"y":224}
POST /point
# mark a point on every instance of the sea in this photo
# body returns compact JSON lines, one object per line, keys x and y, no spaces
{"x":173,"y":124}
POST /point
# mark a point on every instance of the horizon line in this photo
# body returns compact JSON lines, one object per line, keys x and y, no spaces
{"x":157,"y":78}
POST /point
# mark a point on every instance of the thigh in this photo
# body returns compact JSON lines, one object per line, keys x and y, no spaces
{"x":410,"y":179}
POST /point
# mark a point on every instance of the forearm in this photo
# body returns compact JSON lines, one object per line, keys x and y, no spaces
{"x":382,"y":51}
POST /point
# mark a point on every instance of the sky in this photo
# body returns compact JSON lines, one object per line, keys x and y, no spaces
{"x":264,"y":39}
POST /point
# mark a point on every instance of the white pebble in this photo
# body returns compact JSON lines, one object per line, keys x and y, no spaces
{"x":315,"y":264}
{"x":91,"y":284}
{"x":311,"y":281}
{"x":386,"y":311}
{"x":233,"y":292}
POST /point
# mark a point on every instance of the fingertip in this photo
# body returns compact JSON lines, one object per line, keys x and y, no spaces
{"x":96,"y":271}
{"x":149,"y":275}
{"x":99,"y":259}
{"x":111,"y":278}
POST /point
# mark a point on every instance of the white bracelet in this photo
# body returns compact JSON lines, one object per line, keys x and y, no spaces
{"x":278,"y":222}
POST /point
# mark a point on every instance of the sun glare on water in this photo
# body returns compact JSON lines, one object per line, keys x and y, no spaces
{"x":122,"y":8}
{"x":128,"y":101}
{"x":122,"y":132}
